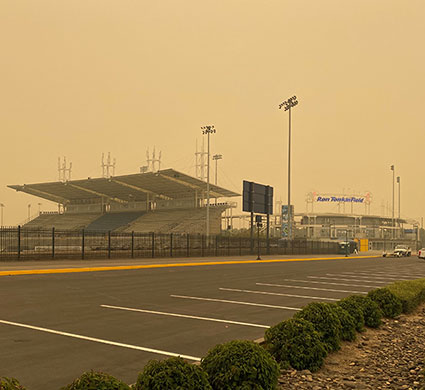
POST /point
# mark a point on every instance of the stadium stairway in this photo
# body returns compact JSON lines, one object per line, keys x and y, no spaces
{"x":112,"y":221}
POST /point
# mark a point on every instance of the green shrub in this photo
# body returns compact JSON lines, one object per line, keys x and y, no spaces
{"x":10,"y":384}
{"x":96,"y":380}
{"x":325,"y":320}
{"x":297,"y":343}
{"x":371,"y":312}
{"x":348,"y":331}
{"x":410,"y":292}
{"x":389,"y":304}
{"x":239,"y":365}
{"x":172,"y":374}
{"x":352,"y":307}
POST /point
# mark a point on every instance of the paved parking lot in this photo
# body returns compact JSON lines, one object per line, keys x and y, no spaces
{"x":54,"y":326}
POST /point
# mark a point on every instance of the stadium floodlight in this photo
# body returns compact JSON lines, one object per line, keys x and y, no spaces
{"x":287,"y":105}
{"x":208,"y":130}
{"x":217,"y":157}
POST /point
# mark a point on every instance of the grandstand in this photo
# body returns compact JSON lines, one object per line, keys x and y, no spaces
{"x":166,"y":201}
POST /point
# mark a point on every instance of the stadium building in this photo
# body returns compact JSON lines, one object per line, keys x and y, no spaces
{"x":165,"y":201}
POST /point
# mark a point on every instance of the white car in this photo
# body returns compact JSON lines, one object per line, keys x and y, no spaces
{"x":399,"y":251}
{"x":421,"y":253}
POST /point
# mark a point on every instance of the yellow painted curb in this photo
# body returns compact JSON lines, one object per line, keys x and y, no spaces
{"x":130,"y":267}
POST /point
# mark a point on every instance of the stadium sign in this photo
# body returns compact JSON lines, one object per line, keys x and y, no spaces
{"x":341,"y":199}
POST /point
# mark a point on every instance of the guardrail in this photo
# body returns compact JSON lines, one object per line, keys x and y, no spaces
{"x":19,"y":243}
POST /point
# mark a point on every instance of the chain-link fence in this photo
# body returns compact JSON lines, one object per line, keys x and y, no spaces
{"x":18,"y":243}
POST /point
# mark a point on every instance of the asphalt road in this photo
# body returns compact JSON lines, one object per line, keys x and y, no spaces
{"x":55,"y":326}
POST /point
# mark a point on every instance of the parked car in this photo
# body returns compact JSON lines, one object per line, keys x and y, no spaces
{"x":399,"y":251}
{"x":421,"y":253}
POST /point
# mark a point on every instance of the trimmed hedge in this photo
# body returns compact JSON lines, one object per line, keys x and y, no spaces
{"x":355,"y":311}
{"x":348,"y":331}
{"x":172,"y":374}
{"x":371,"y":312}
{"x":238,"y":365}
{"x":410,"y":292}
{"x":10,"y":384}
{"x":325,"y":320}
{"x":96,"y":380}
{"x":297,"y":343}
{"x":389,"y":304}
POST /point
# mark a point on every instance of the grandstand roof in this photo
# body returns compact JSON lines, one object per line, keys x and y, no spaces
{"x":165,"y":184}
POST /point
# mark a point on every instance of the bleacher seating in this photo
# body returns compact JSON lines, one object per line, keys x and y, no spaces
{"x":67,"y":221}
{"x":112,"y":221}
{"x":177,"y":221}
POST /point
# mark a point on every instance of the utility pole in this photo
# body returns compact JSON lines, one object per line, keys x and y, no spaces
{"x":208,"y":130}
{"x":399,"y":199}
{"x":287,"y":105}
{"x":216,"y":157}
{"x":392,"y":168}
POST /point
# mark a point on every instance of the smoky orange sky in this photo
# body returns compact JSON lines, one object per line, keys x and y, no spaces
{"x":82,"y":77}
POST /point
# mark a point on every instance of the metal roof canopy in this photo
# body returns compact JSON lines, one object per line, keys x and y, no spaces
{"x":164,"y":184}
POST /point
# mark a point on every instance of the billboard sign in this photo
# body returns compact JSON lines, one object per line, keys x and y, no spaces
{"x":257,"y":198}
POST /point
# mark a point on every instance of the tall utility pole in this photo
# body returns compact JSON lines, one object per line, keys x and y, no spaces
{"x":392,"y":168}
{"x":287,"y":105}
{"x":208,"y":130}
{"x":399,"y":199}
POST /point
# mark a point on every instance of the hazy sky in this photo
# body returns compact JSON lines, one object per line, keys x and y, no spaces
{"x":82,"y":77}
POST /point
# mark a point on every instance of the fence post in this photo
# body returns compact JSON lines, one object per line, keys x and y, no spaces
{"x":53,"y":242}
{"x":240,"y":246}
{"x":132,"y":244}
{"x":82,"y":244}
{"x":153,"y":244}
{"x":19,"y":242}
{"x":202,"y":245}
{"x":171,"y":244}
{"x":216,"y":245}
{"x":187,"y":245}
{"x":109,"y":244}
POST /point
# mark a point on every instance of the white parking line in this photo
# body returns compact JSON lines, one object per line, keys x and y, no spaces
{"x":330,"y":283}
{"x":407,"y":275}
{"x":369,"y":276}
{"x":185,"y":316}
{"x":236,"y":302}
{"x":102,"y":341}
{"x":310,"y":288}
{"x":279,"y":294}
{"x":346,"y":280}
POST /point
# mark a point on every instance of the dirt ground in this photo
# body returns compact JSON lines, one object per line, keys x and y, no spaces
{"x":391,"y":357}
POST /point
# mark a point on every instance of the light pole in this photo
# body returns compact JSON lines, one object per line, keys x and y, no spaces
{"x":39,"y":208}
{"x":2,"y":206}
{"x":208,"y":130}
{"x":216,"y":157}
{"x":399,"y":198}
{"x":392,"y":168}
{"x":29,"y":211}
{"x":287,"y":105}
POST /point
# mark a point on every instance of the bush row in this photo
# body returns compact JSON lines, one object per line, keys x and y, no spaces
{"x":301,"y":342}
